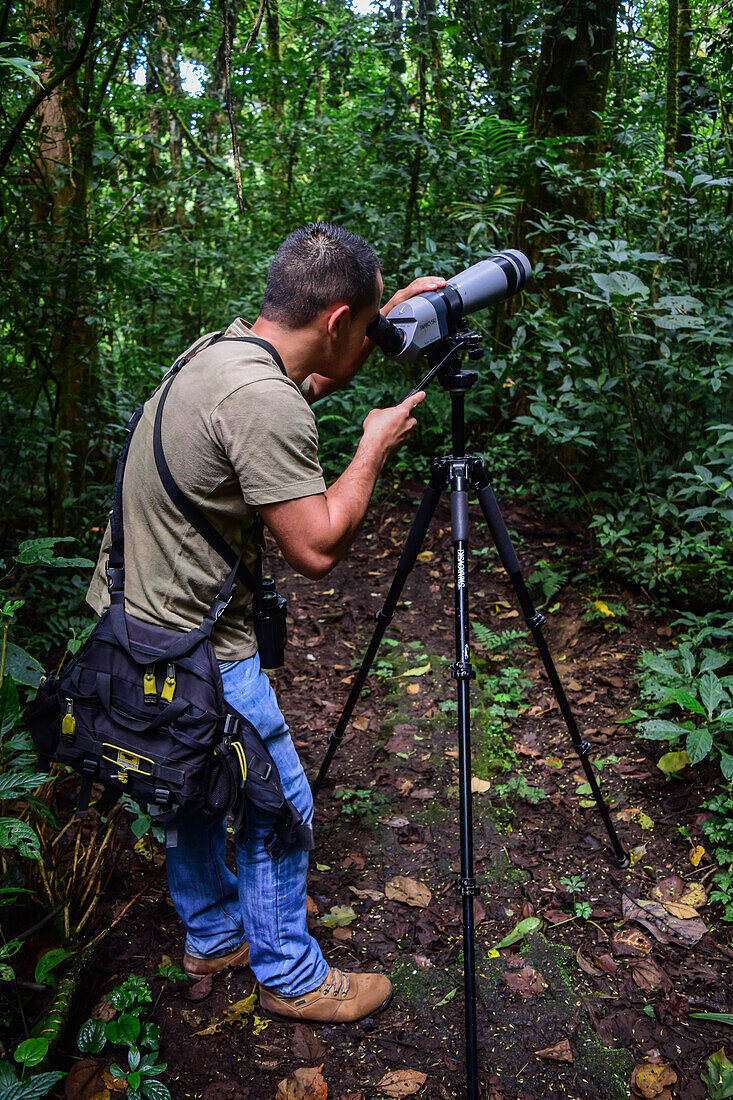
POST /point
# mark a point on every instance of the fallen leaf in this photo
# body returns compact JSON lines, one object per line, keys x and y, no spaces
{"x":342,"y":933}
{"x":360,"y":724}
{"x":305,"y":1084}
{"x":419,"y":670}
{"x":399,"y":821}
{"x":424,"y":794}
{"x":114,"y":1084}
{"x":402,"y":1082}
{"x":662,"y":925}
{"x":367,"y":892}
{"x":558,"y":1052}
{"x":234,"y":1015}
{"x":696,"y":855}
{"x":586,"y":966}
{"x":673,"y":762}
{"x":630,"y":941}
{"x":648,"y":975}
{"x":651,"y":1080}
{"x":524,"y":928}
{"x":606,"y":964}
{"x":413,"y":689}
{"x":669,"y":889}
{"x":695,"y":895}
{"x":200,"y":989}
{"x":404,"y":786}
{"x":479,"y":786}
{"x":527,"y":982}
{"x":677,"y":909}
{"x":338,"y":916}
{"x":409,"y":891}
{"x":306,"y":1045}
{"x":84,"y":1080}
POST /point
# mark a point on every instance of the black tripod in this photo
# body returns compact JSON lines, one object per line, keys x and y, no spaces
{"x":458,"y":473}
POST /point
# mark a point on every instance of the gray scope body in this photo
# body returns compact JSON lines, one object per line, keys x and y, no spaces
{"x":410,"y":329}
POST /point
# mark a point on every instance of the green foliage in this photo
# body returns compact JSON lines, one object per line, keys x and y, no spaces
{"x":719,"y":829}
{"x":688,"y":702}
{"x":132,"y":1030}
{"x":718,"y":1076}
{"x":365,"y":804}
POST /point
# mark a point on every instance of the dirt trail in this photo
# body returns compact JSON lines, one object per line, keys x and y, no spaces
{"x":595,"y":993}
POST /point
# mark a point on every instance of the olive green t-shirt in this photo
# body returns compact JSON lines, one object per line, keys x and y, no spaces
{"x":236,"y":433}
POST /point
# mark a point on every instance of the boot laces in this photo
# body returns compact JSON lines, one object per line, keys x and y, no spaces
{"x":340,"y":982}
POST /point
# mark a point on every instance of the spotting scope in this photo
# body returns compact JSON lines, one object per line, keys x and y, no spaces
{"x":410,"y":329}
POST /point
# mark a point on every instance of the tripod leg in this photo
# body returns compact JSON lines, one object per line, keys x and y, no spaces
{"x":535,"y":620}
{"x":463,"y":674}
{"x":410,"y":551}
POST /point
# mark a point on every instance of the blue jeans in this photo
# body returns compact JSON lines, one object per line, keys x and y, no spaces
{"x":265,"y":901}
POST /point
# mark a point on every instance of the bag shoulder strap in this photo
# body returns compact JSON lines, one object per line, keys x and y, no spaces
{"x":184,"y":504}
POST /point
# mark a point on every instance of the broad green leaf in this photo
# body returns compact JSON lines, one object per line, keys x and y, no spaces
{"x":726,"y":765}
{"x":49,"y":962}
{"x":33,"y":1088}
{"x":623,"y":283}
{"x":714,"y":1017}
{"x":155,"y":1090}
{"x":31,"y":1052}
{"x":679,"y":695}
{"x":712,"y":692}
{"x":659,"y":729}
{"x":9,"y":706}
{"x":524,"y":928}
{"x":92,"y":1037}
{"x":23,"y":668}
{"x":699,"y":743}
{"x":17,"y":834}
{"x":419,"y":671}
{"x":42,"y":552}
{"x":673,"y":762}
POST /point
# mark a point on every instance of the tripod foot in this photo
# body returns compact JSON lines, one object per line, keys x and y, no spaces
{"x":623,"y":861}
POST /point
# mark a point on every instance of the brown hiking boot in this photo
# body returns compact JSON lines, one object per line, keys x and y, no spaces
{"x":214,"y":964}
{"x":342,"y":998}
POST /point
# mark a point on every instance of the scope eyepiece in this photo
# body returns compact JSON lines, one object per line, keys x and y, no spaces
{"x":410,"y":328}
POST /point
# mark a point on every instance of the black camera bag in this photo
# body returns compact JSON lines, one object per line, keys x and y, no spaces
{"x":141,"y":709}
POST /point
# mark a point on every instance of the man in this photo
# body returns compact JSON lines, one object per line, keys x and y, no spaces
{"x":240,"y":440}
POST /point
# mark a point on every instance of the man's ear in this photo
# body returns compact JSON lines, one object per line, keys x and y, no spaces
{"x":338,"y":317}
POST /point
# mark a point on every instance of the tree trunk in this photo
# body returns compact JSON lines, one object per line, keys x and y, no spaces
{"x":685,"y":109}
{"x":670,"y":136}
{"x":62,"y":167}
{"x":272,"y":23}
{"x":571,"y":85}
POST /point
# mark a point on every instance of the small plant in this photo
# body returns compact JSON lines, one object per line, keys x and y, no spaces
{"x":547,"y":579}
{"x":132,"y":1030}
{"x":688,"y":701}
{"x":719,"y":828}
{"x":517,"y":789}
{"x":609,"y":613}
{"x":364,"y":804}
{"x":574,"y":884}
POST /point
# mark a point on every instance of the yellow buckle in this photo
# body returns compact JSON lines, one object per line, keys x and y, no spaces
{"x":150,"y":688}
{"x":169,"y":687}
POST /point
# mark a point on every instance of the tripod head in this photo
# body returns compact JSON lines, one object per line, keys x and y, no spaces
{"x":444,"y":359}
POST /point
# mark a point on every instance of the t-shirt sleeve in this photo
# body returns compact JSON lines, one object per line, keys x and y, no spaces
{"x":268,"y":432}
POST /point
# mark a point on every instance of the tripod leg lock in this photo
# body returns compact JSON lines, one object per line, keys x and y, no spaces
{"x":534,"y":622}
{"x":584,"y":749}
{"x":466,"y":888}
{"x":380,"y":617}
{"x":462,"y":670}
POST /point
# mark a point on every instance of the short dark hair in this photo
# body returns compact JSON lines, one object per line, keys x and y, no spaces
{"x":316,"y":266}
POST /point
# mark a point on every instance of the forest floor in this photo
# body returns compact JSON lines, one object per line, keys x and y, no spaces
{"x":576,"y":1005}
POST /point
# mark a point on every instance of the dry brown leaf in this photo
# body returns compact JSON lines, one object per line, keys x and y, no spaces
{"x":647,"y":974}
{"x":479,"y":786}
{"x":424,"y":794}
{"x":586,"y":966}
{"x":342,"y":933}
{"x":114,"y":1084}
{"x":695,"y":895}
{"x":527,"y":982}
{"x":360,"y":723}
{"x":84,"y":1080}
{"x":652,"y":1080}
{"x":402,"y":1082}
{"x":630,"y":941}
{"x":677,"y":909}
{"x":696,"y":855}
{"x":305,"y":1084}
{"x":306,"y":1044}
{"x":409,"y":891}
{"x":367,"y":892}
{"x":200,"y":989}
{"x":606,"y":963}
{"x":669,"y":889}
{"x":558,"y":1052}
{"x":662,"y":925}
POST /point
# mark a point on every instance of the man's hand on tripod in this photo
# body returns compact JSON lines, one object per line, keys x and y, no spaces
{"x":385,"y":430}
